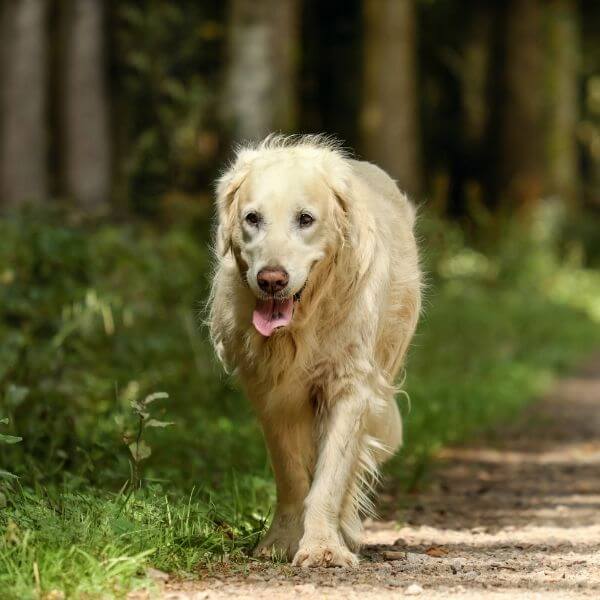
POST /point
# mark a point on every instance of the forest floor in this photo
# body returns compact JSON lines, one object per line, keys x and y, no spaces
{"x":514,"y":515}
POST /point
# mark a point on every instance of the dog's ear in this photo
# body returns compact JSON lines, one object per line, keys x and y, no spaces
{"x":338,"y":177}
{"x":227,"y":187}
{"x":351,"y":220}
{"x":342,"y":217}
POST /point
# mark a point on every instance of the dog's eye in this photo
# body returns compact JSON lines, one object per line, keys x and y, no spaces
{"x":305,"y":220}
{"x":253,"y":218}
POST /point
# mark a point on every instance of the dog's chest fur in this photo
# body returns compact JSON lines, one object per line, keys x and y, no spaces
{"x":286,"y":369}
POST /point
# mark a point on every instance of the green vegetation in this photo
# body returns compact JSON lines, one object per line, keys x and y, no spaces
{"x":100,"y":323}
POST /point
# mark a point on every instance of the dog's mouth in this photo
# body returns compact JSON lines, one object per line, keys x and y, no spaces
{"x":273,"y":312}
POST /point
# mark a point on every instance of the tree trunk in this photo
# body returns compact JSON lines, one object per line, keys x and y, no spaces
{"x":472,"y":66}
{"x":389,"y":118}
{"x":473,"y":73}
{"x":260,"y":90}
{"x":562,"y":83}
{"x":86,"y":106}
{"x":23,"y":148}
{"x":522,"y":146}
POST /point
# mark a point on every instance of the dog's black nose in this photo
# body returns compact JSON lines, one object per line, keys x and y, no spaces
{"x":272,"y":279}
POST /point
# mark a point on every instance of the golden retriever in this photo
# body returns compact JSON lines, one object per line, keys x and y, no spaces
{"x":315,"y":298}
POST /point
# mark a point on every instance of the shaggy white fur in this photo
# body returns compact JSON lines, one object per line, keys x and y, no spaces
{"x":323,"y":385}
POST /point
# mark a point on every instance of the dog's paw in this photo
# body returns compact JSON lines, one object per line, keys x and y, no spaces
{"x":278,"y":548}
{"x":324,"y":555}
{"x":281,"y":541}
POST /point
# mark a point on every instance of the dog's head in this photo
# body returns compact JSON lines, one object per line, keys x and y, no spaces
{"x":281,"y":212}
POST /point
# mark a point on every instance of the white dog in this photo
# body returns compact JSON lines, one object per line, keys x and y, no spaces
{"x":315,"y":299}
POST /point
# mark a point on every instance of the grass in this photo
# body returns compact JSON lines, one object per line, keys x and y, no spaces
{"x":90,"y":544}
{"x":94,"y":320}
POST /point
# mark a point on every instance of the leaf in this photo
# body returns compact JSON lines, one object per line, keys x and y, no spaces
{"x":15,"y":395}
{"x":140,"y":450}
{"x":436,"y":551}
{"x":157,"y":423}
{"x":9,"y":439}
{"x":139,"y":409}
{"x":7,"y":475}
{"x":155,"y":396}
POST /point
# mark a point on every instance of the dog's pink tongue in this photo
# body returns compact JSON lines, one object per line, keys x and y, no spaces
{"x":272,"y":313}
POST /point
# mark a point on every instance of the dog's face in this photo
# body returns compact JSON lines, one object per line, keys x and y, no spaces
{"x":282,"y":224}
{"x":282,"y":221}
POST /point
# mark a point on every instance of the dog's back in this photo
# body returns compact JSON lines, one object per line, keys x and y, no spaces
{"x":384,"y":186}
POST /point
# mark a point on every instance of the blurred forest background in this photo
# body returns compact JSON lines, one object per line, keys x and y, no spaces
{"x":131,"y":107}
{"x":120,"y":439}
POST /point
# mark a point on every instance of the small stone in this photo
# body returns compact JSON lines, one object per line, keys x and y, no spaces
{"x":157,"y":574}
{"x":414,"y":589}
{"x":394,"y":555}
{"x":305,"y":588}
{"x":457,"y":564}
{"x":139,"y":594}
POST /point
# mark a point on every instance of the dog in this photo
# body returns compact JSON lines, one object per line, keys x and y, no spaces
{"x":315,"y":298}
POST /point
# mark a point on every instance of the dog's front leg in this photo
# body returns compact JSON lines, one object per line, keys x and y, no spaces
{"x":342,"y":442}
{"x":290,"y":440}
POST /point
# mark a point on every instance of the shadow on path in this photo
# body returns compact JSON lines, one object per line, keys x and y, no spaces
{"x":518,"y":510}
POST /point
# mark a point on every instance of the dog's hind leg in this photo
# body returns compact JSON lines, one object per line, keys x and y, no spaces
{"x":351,"y":525}
{"x":385,"y":426}
{"x":384,"y":437}
{"x":357,"y":502}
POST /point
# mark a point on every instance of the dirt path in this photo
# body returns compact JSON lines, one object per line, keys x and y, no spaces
{"x":516,"y":516}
